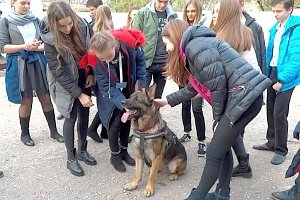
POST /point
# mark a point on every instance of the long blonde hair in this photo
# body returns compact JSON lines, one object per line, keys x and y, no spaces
{"x":230,"y":28}
{"x":101,"y":21}
{"x":71,"y":43}
{"x":197,"y":5}
{"x":175,"y":69}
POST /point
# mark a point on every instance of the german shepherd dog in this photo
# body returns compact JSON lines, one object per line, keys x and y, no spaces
{"x":153,"y":142}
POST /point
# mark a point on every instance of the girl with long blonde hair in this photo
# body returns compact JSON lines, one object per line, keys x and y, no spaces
{"x":192,"y":12}
{"x":101,"y":21}
{"x":227,"y":23}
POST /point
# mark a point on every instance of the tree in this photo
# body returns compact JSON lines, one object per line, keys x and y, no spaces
{"x":125,"y":5}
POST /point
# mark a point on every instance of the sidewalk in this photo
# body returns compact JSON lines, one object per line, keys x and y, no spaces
{"x":40,"y":172}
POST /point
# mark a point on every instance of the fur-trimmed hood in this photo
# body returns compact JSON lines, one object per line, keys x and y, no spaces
{"x":132,"y":37}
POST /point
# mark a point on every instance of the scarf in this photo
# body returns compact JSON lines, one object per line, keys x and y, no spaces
{"x":20,"y":20}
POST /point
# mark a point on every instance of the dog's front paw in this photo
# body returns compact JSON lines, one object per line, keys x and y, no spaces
{"x":130,"y":186}
{"x":173,"y":177}
{"x":149,"y":191}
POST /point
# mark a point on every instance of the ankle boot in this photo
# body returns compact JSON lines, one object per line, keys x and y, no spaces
{"x":213,"y":195}
{"x":243,"y":169}
{"x":73,"y":164}
{"x":224,"y":194}
{"x":126,"y":157}
{"x":218,"y":194}
{"x":83,"y":155}
{"x":103,"y":133}
{"x":193,"y":195}
{"x":25,"y":136}
{"x":50,"y":117}
{"x":116,"y":161}
{"x":92,"y":130}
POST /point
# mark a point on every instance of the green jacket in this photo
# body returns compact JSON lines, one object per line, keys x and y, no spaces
{"x":146,"y":20}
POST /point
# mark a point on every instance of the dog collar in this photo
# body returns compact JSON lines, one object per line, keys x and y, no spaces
{"x":147,"y":128}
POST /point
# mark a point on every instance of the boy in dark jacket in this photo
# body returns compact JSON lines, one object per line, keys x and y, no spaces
{"x":121,"y":64}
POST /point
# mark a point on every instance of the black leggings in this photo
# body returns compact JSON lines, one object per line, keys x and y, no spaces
{"x":219,"y":162}
{"x":118,"y":132}
{"x":82,"y":125}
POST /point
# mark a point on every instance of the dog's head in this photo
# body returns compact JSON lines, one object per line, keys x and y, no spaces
{"x":140,"y":104}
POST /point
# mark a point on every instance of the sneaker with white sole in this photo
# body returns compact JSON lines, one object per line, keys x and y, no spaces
{"x":201,"y":149}
{"x":185,"y":138}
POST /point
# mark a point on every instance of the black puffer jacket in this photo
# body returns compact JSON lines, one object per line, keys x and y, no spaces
{"x":233,"y":83}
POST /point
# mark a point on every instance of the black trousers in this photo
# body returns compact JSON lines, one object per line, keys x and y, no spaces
{"x":219,"y":161}
{"x":155,"y":71}
{"x":118,"y":132}
{"x":277,"y":112}
{"x":82,"y":115}
{"x":196,"y":105}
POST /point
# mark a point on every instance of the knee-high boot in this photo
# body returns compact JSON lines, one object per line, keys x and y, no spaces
{"x":83,"y":154}
{"x":25,"y":136}
{"x":50,"y":117}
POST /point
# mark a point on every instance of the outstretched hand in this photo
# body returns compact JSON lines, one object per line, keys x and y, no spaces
{"x":160,"y":102}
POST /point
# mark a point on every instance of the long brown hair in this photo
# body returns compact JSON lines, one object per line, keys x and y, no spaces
{"x":101,"y":21}
{"x":197,"y":5}
{"x":175,"y":69}
{"x":230,"y":28}
{"x":71,"y":43}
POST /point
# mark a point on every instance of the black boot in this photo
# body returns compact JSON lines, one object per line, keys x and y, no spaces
{"x":83,"y":155}
{"x":50,"y":117}
{"x":116,"y":161}
{"x":25,"y":136}
{"x":243,"y":169}
{"x":126,"y":157}
{"x":92,"y":130}
{"x":291,"y":194}
{"x":1,"y":174}
{"x":213,"y":195}
{"x":73,"y":164}
{"x":218,"y":194}
{"x":224,"y":194}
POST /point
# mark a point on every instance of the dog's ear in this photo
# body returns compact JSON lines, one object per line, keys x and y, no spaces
{"x":138,"y":86}
{"x":151,"y":91}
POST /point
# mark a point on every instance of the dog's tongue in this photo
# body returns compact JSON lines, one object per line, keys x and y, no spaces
{"x":125,"y":116}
